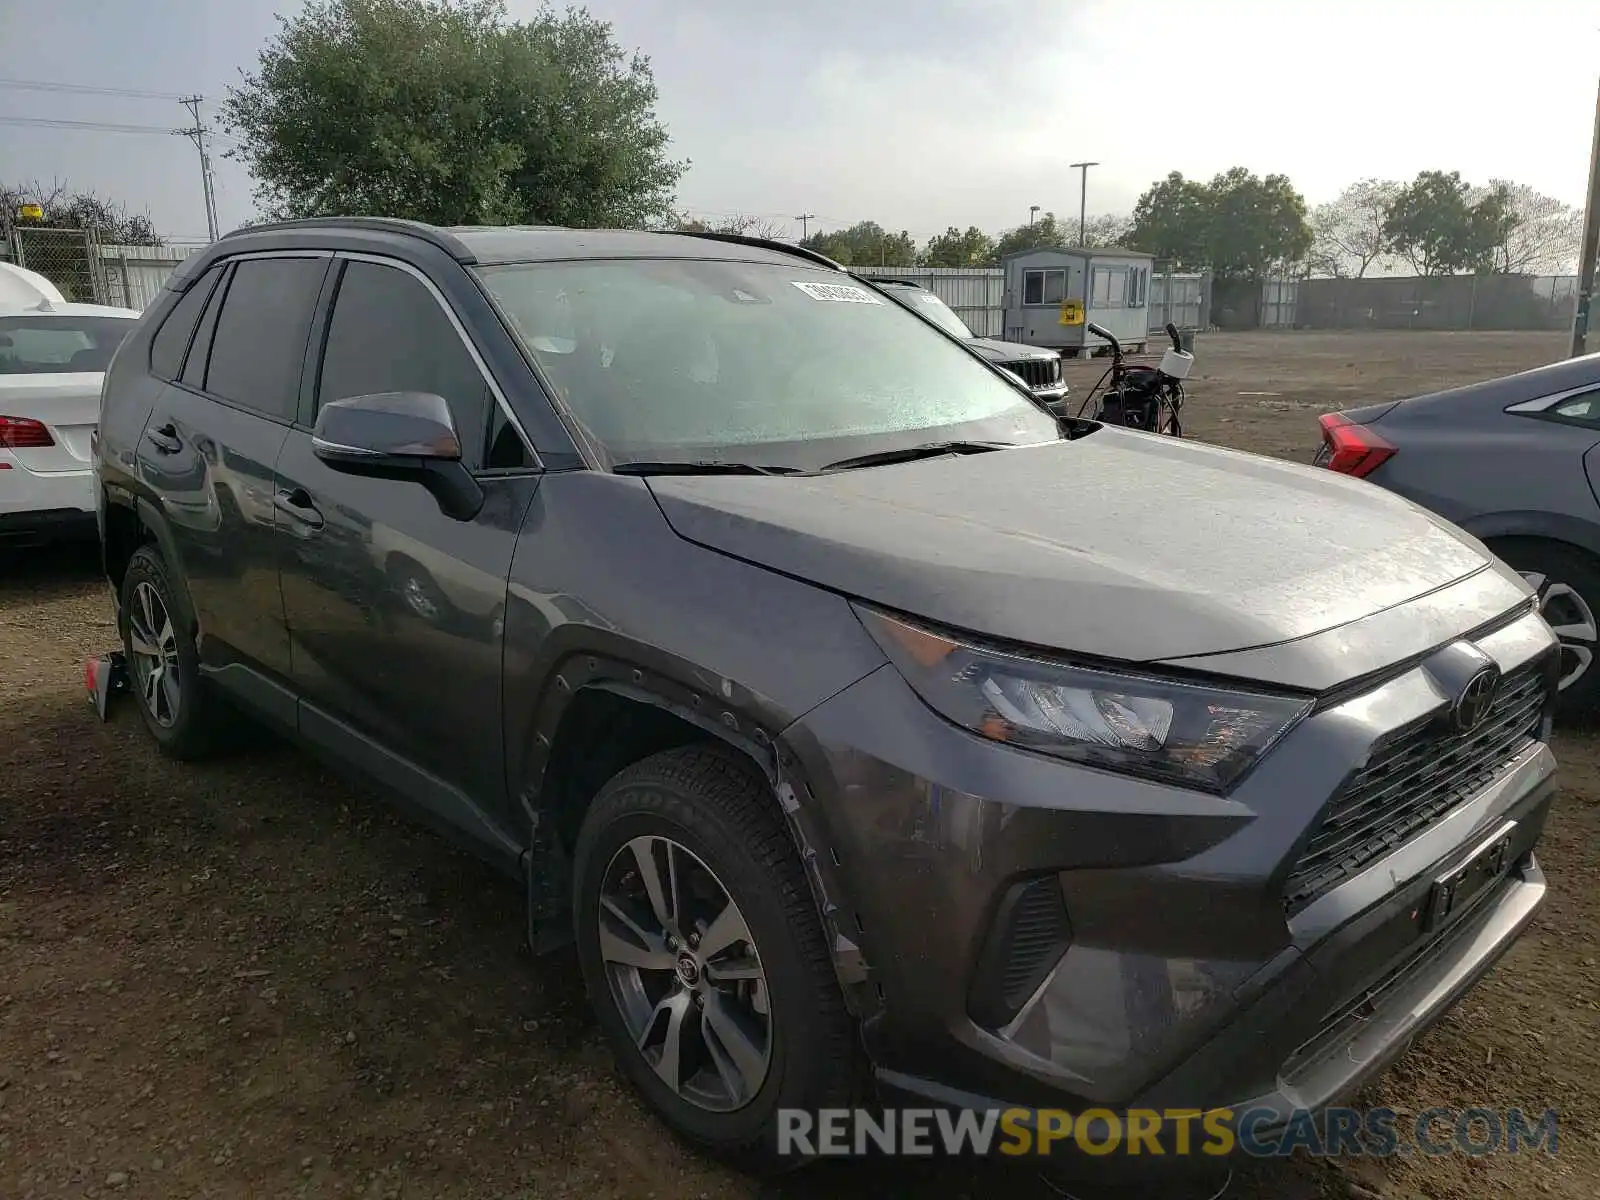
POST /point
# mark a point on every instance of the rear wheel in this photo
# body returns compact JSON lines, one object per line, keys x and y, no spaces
{"x":186,"y":720}
{"x":704,"y":956}
{"x":1568,"y":583}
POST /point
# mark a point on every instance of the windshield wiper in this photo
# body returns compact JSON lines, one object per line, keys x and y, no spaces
{"x":702,"y":467}
{"x":911,"y":453}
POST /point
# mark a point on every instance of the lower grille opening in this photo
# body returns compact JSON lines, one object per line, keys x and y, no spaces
{"x":1030,"y":934}
{"x":1422,"y":774}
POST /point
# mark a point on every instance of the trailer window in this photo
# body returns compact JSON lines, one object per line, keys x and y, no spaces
{"x":1110,"y":287}
{"x":1044,"y":287}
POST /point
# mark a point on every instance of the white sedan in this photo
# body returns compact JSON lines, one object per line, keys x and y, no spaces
{"x":53,"y":357}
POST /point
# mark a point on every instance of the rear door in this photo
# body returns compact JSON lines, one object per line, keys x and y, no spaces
{"x":395,"y":609}
{"x":209,"y":450}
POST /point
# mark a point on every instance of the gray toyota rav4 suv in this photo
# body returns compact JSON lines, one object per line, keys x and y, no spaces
{"x":838,"y":700}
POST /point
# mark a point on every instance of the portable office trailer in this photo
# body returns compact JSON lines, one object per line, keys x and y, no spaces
{"x":1052,"y":295}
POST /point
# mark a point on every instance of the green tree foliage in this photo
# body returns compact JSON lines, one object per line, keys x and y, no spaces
{"x":952,"y":248}
{"x":1240,"y":225}
{"x":865,"y":244}
{"x":1046,"y":232}
{"x":446,"y":111}
{"x":109,"y":220}
{"x":1437,"y":225}
{"x":1107,"y":229}
{"x":1172,"y":221}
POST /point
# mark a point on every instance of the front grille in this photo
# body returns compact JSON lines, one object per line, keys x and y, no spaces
{"x":1037,"y":372}
{"x":1420,"y":775}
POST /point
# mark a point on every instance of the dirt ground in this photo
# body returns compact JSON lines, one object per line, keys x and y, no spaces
{"x":251,"y":979}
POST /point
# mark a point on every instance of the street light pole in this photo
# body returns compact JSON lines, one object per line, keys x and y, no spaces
{"x":1591,"y":244}
{"x":1083,"y":200}
{"x":1032,"y":211}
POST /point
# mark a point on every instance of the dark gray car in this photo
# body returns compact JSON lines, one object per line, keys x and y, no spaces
{"x":1515,"y":462}
{"x":1036,"y":366}
{"x":837,"y":698}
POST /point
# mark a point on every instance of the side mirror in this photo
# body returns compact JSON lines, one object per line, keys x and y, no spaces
{"x":399,"y":435}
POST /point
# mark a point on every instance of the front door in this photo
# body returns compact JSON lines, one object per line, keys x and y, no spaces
{"x":394,"y":609}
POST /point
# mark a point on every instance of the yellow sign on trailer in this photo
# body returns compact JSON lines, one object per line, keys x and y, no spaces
{"x":1072,"y":312}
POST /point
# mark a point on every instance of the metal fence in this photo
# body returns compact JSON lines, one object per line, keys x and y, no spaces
{"x":1441,"y":302}
{"x":976,"y":294}
{"x":1279,"y":303}
{"x":1182,"y":300}
{"x":88,"y":272}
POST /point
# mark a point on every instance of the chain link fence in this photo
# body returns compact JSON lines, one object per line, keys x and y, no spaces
{"x":87,"y":271}
{"x":1460,"y":302}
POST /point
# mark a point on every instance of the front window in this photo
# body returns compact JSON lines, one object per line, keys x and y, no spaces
{"x":683,"y":360}
{"x":57,"y":345}
{"x":935,"y":310}
{"x":1044,"y":287}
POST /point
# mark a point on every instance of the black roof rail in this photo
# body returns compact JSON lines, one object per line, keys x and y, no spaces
{"x":441,"y":238}
{"x":893,"y":281}
{"x":740,"y":239}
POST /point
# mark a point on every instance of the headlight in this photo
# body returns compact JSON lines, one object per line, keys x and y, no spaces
{"x":1190,"y":734}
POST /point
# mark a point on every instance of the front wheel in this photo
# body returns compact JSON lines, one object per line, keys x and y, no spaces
{"x":704,"y":956}
{"x":1567,"y":581}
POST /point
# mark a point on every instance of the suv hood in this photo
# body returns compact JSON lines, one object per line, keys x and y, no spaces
{"x":1118,"y":544}
{"x":997,"y":351}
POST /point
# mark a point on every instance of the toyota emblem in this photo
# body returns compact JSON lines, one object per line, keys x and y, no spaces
{"x":1476,"y":699}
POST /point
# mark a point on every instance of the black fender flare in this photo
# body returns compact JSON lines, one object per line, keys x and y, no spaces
{"x":153,"y":519}
{"x":750,"y":723}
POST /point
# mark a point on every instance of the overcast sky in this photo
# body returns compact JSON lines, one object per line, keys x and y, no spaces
{"x":919,"y":113}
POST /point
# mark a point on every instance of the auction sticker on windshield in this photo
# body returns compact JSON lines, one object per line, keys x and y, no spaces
{"x":842,"y":293}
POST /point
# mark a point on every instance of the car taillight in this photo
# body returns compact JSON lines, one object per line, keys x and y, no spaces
{"x":24,"y":433}
{"x":1353,"y":449}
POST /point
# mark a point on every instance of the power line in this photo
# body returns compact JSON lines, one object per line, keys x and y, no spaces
{"x":84,"y":89}
{"x":103,"y":126}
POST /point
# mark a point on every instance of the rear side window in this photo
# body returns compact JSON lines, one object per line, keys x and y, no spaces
{"x":389,"y":334}
{"x":259,"y":346}
{"x":172,"y":339}
{"x":194,"y":367}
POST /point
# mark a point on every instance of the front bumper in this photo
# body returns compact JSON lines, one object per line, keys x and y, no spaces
{"x":1185,"y":983}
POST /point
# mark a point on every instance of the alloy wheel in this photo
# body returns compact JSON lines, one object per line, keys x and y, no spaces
{"x":154,"y":644}
{"x":1573,"y":622}
{"x":685,"y":974}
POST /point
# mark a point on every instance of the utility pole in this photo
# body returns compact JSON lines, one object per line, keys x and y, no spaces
{"x":805,"y":220}
{"x":197,"y":135}
{"x":1033,"y":211}
{"x":1083,"y":200}
{"x":1591,"y":243}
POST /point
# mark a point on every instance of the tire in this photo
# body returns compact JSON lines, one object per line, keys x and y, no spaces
{"x":183,"y":715}
{"x":719,"y":814}
{"x":1568,"y":582}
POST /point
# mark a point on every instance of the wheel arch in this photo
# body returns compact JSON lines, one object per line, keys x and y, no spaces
{"x":1556,"y":528}
{"x":603,"y":709}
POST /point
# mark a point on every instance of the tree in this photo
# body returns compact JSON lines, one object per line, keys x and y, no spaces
{"x":740,"y":224}
{"x":952,"y":248}
{"x":1545,"y":236}
{"x":1239,"y":225}
{"x":1440,"y":228}
{"x":446,"y":111}
{"x":1257,"y":225}
{"x":108,"y":220}
{"x":1347,"y":235}
{"x":1107,"y":229}
{"x":865,"y":244}
{"x":1046,"y":232}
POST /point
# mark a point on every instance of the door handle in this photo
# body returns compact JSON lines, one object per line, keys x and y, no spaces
{"x":296,"y":502}
{"x":165,"y":438}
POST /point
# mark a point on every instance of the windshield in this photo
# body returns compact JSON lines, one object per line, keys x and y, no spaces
{"x":933,"y":308}
{"x":787,"y":365}
{"x":56,"y":345}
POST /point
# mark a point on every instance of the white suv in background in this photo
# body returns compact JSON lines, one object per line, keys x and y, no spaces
{"x":53,"y":356}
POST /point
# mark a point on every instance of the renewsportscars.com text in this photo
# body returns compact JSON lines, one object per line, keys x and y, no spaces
{"x":1259,"y":1133}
